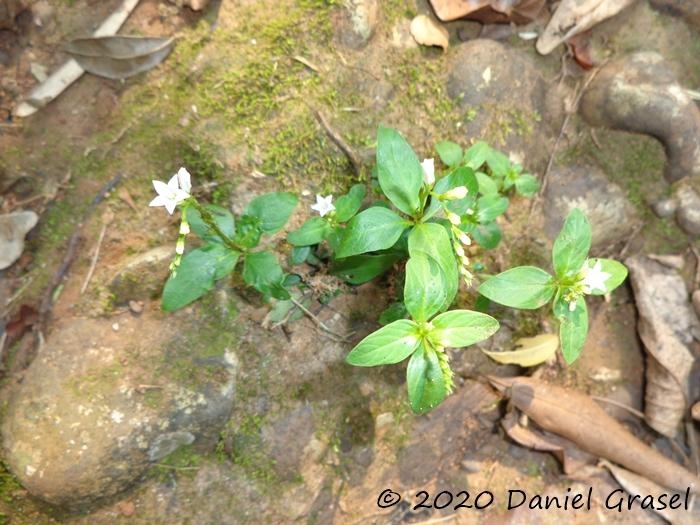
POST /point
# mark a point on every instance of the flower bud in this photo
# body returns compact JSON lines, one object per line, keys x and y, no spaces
{"x":458,"y":249}
{"x":454,"y":218}
{"x":465,"y":239}
{"x":428,"y":166}
{"x":455,"y":193}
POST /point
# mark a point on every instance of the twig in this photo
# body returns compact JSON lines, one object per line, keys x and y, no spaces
{"x":319,"y":323}
{"x":47,"y":301}
{"x":579,"y":93}
{"x":95,"y":255}
{"x":338,"y":141}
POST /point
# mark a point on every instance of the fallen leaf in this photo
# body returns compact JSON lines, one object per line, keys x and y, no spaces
{"x":579,"y":419}
{"x":119,"y":57}
{"x":71,"y":71}
{"x":533,"y":351}
{"x":575,"y":16}
{"x":666,"y":324}
{"x":488,"y":11}
{"x":427,"y":32}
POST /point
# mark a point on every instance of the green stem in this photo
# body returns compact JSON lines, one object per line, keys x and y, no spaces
{"x":211,"y":223}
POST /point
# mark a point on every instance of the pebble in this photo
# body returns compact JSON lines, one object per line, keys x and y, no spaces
{"x":665,"y":208}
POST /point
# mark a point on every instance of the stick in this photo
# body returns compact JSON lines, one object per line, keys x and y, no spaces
{"x":581,"y":90}
{"x":47,"y":301}
{"x":338,"y":141}
{"x":95,"y":255}
{"x":319,"y":323}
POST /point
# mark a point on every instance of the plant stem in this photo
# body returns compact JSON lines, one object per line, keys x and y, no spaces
{"x":211,"y":222}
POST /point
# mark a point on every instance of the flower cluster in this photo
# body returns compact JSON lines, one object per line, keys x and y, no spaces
{"x":590,"y":279}
{"x":174,"y":193}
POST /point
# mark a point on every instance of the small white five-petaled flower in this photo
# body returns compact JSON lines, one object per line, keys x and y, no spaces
{"x":174,"y":192}
{"x":324,"y":205}
{"x":428,"y":166}
{"x":594,"y":278}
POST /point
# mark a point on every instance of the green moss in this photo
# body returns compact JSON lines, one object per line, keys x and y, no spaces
{"x":184,"y":461}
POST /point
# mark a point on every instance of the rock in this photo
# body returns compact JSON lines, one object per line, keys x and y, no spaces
{"x":640,"y":93}
{"x":688,"y":213}
{"x":142,"y":277}
{"x":611,"y":215}
{"x":357,"y":22}
{"x":286,"y":438}
{"x":665,"y":207}
{"x":666,"y":326}
{"x":13,"y":228}
{"x":96,"y":408}
{"x":506,"y":100}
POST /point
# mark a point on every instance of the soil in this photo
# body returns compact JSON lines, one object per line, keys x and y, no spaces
{"x":310,"y":441}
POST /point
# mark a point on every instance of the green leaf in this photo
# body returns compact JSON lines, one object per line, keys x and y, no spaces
{"x":300,"y":254}
{"x":450,"y":153}
{"x":489,"y":207}
{"x":488,"y":235}
{"x":616,"y":270}
{"x":222,"y":217}
{"x":573,"y":327}
{"x":195,"y":276}
{"x":432,"y":239}
{"x":362,"y":268}
{"x":459,"y":328}
{"x":571,"y":245}
{"x":394,"y":312}
{"x":527,"y":185}
{"x":313,"y":231}
{"x":346,"y":206}
{"x":374,"y":229}
{"x":425,"y":382}
{"x":399,"y":171}
{"x":487,"y":186}
{"x":388,"y":345}
{"x":273,"y":210}
{"x":425,"y":288}
{"x":476,"y":155}
{"x":262,"y":271}
{"x":524,"y":287}
{"x":499,"y":164}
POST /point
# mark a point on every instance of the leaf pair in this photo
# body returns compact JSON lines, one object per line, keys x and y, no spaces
{"x":529,"y":287}
{"x":427,"y":382}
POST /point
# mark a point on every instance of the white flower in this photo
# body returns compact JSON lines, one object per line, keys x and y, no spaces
{"x":594,"y":278}
{"x":464,"y":239}
{"x":428,"y":166}
{"x":454,"y":218}
{"x":174,"y":192}
{"x":324,"y":205}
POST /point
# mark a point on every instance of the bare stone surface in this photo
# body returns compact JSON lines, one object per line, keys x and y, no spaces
{"x":142,"y":276}
{"x":92,"y":413}
{"x":611,"y":215}
{"x":507,"y":100}
{"x":688,"y":212}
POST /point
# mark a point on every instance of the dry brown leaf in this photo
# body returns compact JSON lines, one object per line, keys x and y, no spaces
{"x":532,"y":351}
{"x":575,"y":16}
{"x":427,"y":32}
{"x":579,"y":419}
{"x":666,"y":324}
{"x":488,"y":11}
{"x":635,"y":484}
